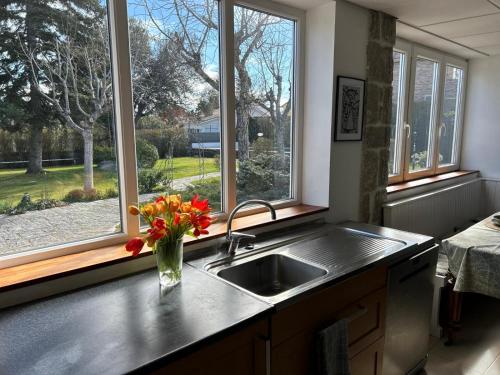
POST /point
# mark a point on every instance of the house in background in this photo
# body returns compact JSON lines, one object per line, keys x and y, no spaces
{"x":205,"y":133}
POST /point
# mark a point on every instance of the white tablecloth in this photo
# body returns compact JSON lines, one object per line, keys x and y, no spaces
{"x":474,"y":259}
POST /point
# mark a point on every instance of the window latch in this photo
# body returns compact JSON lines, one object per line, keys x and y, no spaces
{"x":407,"y":128}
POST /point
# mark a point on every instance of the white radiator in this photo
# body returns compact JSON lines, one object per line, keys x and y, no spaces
{"x":436,"y":213}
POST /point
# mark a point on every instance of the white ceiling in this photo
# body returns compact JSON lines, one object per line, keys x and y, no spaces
{"x":471,"y":23}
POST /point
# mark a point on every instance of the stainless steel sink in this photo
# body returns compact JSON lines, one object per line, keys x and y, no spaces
{"x":271,"y":274}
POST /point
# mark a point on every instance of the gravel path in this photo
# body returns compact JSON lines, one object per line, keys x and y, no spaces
{"x":74,"y":222}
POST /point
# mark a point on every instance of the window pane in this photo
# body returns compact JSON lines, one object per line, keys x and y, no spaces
{"x":264,"y":75}
{"x":58,"y":179}
{"x":175,"y":77}
{"x":451,"y":106}
{"x":423,"y":110}
{"x":397,"y":113}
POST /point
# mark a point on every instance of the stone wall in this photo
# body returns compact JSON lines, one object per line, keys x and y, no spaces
{"x":376,"y":138}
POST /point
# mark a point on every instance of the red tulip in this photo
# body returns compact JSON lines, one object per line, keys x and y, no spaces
{"x":201,"y":206}
{"x":159,"y":224}
{"x":135,"y":245}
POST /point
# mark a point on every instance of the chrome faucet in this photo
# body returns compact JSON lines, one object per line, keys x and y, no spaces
{"x":234,"y":238}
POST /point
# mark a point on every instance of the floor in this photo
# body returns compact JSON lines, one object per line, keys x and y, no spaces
{"x":477,"y":350}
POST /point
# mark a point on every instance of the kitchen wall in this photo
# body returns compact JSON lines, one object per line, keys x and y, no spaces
{"x":481,"y":137}
{"x":316,"y":140}
{"x":351,"y":38}
{"x":336,"y":39}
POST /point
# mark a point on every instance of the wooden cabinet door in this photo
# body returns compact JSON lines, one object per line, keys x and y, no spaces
{"x":244,"y":353}
{"x":369,"y":361}
{"x":360,"y":300}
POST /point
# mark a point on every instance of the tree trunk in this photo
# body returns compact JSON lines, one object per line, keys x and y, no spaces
{"x":242,"y":122}
{"x":35,"y":104}
{"x":88,"y":160}
{"x":35,"y":150}
{"x":280,"y":134}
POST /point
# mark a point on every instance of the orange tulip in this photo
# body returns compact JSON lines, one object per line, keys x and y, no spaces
{"x":133,"y":210}
{"x":181,"y":218}
{"x":186,"y":207}
{"x":174,"y":202}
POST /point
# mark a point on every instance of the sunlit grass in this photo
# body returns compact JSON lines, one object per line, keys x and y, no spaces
{"x":56,"y":182}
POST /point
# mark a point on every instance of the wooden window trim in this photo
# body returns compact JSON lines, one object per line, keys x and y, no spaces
{"x":407,"y":185}
{"x":49,"y":269}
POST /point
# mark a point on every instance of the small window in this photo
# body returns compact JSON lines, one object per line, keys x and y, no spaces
{"x":423,"y":108}
{"x":451,"y":115}
{"x":398,"y":86}
{"x":427,"y":111}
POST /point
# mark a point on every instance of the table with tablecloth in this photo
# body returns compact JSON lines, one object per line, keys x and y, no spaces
{"x":474,"y":259}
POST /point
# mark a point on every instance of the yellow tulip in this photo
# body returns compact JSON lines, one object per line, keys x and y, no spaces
{"x":149,"y":209}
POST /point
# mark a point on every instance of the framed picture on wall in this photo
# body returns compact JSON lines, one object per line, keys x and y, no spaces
{"x":349,"y":109}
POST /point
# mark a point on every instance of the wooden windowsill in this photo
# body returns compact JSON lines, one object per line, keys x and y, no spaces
{"x":49,"y":269}
{"x":402,"y":186}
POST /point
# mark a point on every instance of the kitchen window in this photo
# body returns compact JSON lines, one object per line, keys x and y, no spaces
{"x":204,"y":91}
{"x":427,"y":112}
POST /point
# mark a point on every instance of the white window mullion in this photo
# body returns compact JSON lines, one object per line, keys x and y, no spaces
{"x":228,"y":125}
{"x":124,"y":117}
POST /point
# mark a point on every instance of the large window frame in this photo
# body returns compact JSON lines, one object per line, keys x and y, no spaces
{"x":412,"y":52}
{"x":125,"y":130}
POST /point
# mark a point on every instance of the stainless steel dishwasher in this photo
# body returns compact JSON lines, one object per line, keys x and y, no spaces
{"x":409,"y":308}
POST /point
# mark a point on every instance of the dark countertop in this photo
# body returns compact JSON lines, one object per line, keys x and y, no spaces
{"x":121,"y":326}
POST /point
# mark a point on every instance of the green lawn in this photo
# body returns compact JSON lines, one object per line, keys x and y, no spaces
{"x":59,"y":180}
{"x":188,"y":166}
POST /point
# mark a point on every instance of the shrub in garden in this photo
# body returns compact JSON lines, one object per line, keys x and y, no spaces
{"x":264,"y":176}
{"x":110,"y":193}
{"x":26,"y":204}
{"x":79,"y":195}
{"x":147,"y":154}
{"x":5,"y":207}
{"x":208,"y":188}
{"x":103,"y":153}
{"x":262,"y":146}
{"x":151,"y":180}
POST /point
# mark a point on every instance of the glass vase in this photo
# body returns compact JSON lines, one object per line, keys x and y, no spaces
{"x":169,"y":261}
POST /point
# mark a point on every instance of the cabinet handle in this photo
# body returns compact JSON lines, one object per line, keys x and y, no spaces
{"x":362,"y":310}
{"x":262,"y":347}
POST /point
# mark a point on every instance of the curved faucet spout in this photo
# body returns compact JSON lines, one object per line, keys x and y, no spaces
{"x":234,"y":237}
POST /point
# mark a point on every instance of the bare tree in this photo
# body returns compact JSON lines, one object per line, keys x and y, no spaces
{"x":77,"y":84}
{"x":274,"y":83}
{"x":196,"y":27}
